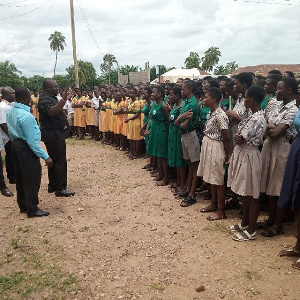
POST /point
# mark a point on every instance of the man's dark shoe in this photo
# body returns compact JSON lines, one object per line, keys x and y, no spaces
{"x":7,"y":192}
{"x":64,"y":193}
{"x":23,"y":210}
{"x":51,"y":189}
{"x":38,"y":213}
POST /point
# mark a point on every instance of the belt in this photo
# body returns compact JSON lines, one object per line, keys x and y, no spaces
{"x":184,"y":131}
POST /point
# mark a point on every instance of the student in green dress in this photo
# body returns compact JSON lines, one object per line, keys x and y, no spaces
{"x":175,"y":155}
{"x":158,"y":138}
{"x":146,"y":92}
{"x":188,"y":123}
{"x":226,"y":99}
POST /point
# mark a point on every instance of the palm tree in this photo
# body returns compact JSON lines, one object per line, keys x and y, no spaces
{"x":192,"y":61}
{"x":57,"y":43}
{"x":108,"y":61}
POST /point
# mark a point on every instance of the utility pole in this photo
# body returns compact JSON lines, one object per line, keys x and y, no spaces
{"x":74,"y":44}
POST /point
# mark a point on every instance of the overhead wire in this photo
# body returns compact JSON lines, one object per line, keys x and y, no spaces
{"x":24,"y":5}
{"x":51,"y":6}
{"x":89,"y":26}
{"x":288,"y":3}
{"x":23,"y":14}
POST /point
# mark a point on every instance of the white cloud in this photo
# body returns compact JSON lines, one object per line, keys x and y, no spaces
{"x":158,"y":31}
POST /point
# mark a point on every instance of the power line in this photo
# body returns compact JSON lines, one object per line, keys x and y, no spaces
{"x":29,"y":4}
{"x":271,"y":3}
{"x":36,"y":29}
{"x":23,"y":14}
{"x":89,"y":27}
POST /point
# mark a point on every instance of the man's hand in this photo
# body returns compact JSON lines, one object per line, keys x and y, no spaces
{"x":48,"y":162}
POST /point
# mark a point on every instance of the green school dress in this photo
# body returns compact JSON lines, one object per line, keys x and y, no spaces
{"x":175,"y":156}
{"x":265,"y":102}
{"x":146,"y":111}
{"x":158,"y":137}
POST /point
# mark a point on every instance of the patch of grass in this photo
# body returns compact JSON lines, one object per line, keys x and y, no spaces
{"x":157,"y":203}
{"x":15,"y":243}
{"x":215,"y":226}
{"x":252,"y":275}
{"x":24,"y":229}
{"x":11,"y":281}
{"x":45,"y":241}
{"x":125,"y":253}
{"x":6,"y":260}
{"x":157,"y":287}
{"x":38,"y":275}
{"x":85,"y":228}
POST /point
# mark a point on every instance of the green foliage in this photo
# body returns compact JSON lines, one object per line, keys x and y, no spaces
{"x":35,"y":83}
{"x":210,"y":59}
{"x":9,"y":74}
{"x":227,"y":69}
{"x":192,"y":61}
{"x":109,"y":60}
{"x":126,"y":69}
{"x":86,"y":73}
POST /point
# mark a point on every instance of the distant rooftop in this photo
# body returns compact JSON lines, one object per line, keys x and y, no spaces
{"x":264,"y":69}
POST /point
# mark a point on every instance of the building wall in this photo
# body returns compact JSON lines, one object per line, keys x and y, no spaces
{"x":134,"y":77}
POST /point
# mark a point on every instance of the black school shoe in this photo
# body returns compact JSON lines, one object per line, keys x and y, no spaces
{"x":64,"y":193}
{"x":37,"y":213}
{"x":188,"y":201}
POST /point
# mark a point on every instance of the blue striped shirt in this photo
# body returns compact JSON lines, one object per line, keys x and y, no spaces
{"x":22,"y":125}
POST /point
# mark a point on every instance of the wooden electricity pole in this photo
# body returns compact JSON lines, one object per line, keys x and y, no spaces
{"x":74,"y":45}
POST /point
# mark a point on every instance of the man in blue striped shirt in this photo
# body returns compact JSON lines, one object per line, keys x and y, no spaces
{"x":26,"y":137}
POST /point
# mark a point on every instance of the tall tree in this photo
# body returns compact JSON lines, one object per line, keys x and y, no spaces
{"x":9,"y":74}
{"x":108,"y":61}
{"x":210,"y":59}
{"x":192,"y":61}
{"x":57,"y":44}
{"x":225,"y":70}
{"x":86,"y":72}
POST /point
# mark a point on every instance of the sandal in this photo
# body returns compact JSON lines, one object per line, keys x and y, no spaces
{"x":240,"y":238}
{"x":222,"y":217}
{"x":162,"y":183}
{"x":146,"y":166}
{"x":273,"y":231}
{"x":231,"y":204}
{"x":7,"y":192}
{"x":188,"y":201}
{"x":290,"y":252}
{"x":264,"y":224}
{"x":182,"y":193}
{"x":296,"y":264}
{"x":237,"y":227}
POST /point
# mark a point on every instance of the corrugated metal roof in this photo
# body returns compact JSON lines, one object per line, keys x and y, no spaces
{"x":264,"y":69}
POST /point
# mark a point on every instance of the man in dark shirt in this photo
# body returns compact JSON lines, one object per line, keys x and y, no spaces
{"x":55,"y":129}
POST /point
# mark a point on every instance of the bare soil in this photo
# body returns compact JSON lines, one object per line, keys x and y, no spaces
{"x":121,"y":237}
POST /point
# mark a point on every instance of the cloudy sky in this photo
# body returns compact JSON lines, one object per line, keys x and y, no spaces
{"x":159,"y":31}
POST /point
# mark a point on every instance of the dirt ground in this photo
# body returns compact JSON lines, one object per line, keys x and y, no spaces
{"x":121,"y":237}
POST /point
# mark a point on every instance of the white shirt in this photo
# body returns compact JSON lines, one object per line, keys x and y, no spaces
{"x":4,"y":108}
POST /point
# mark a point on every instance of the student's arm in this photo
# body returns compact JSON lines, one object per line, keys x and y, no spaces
{"x":234,"y":115}
{"x":4,"y":128}
{"x":135,"y":116}
{"x":278,"y":131}
{"x":166,"y":111}
{"x":188,"y":116}
{"x":226,"y":143}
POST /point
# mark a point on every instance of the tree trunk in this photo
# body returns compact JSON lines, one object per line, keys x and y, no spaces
{"x":55,"y":62}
